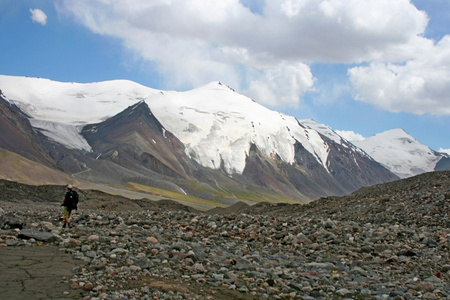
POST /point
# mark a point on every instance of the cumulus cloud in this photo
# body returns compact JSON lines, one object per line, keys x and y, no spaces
{"x":38,"y":16}
{"x":447,"y":151}
{"x":420,"y":85}
{"x":265,"y":48}
{"x":282,"y":84}
{"x":350,"y":135}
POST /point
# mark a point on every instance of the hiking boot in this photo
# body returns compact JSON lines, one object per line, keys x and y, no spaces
{"x":64,"y":225}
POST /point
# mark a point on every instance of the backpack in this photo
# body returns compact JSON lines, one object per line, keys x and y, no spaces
{"x":72,"y":200}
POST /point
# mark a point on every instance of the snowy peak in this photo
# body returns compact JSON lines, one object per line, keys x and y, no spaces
{"x":400,"y":152}
{"x":70,"y":102}
{"x":215,"y":85}
{"x":218,"y":127}
{"x":59,"y":109}
{"x":398,"y":134}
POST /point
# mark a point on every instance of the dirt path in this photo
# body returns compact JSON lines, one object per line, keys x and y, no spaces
{"x":37,"y":272}
{"x":43,"y":272}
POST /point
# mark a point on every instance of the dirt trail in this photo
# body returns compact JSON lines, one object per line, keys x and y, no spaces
{"x":36,"y":272}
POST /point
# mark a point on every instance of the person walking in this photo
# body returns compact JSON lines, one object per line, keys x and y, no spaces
{"x":70,"y":201}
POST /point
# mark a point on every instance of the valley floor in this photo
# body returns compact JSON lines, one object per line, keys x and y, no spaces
{"x":386,"y":242}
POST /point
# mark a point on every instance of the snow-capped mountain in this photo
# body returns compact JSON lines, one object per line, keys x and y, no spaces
{"x":60,"y":109}
{"x":218,"y":126}
{"x":120,"y":131}
{"x":401,"y":153}
{"x":206,"y":120}
{"x":328,"y":132}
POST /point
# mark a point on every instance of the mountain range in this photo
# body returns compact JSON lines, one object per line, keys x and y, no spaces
{"x":396,"y":150}
{"x":208,"y":146}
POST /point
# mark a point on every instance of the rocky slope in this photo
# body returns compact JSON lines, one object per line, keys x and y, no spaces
{"x":17,"y":134}
{"x":389,"y":241}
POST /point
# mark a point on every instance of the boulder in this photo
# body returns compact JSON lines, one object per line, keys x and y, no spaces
{"x":38,"y":235}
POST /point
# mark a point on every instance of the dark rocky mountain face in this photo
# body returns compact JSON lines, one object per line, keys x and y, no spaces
{"x":348,"y":171}
{"x":443,"y":164}
{"x":353,"y":169}
{"x":306,"y":178}
{"x":17,"y":134}
{"x":134,"y":139}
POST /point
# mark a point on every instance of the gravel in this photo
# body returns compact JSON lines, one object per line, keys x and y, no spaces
{"x":386,"y":242}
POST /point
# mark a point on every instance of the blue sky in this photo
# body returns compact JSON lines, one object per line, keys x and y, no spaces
{"x":360,"y":66}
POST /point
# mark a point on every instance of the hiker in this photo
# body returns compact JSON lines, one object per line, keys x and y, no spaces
{"x":70,"y":201}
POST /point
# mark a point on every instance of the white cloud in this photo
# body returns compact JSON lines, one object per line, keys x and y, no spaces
{"x":350,"y":135}
{"x":266,"y":51}
{"x":282,"y":84}
{"x":38,"y":16}
{"x":447,"y":151}
{"x":420,"y":85}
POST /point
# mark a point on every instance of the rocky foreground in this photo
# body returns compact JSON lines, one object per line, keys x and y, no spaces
{"x":385,"y":242}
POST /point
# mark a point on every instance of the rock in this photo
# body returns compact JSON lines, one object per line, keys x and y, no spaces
{"x":9,"y":222}
{"x":445,"y":268}
{"x":152,"y":239}
{"x":11,"y":242}
{"x":198,"y":267}
{"x":143,"y":263}
{"x":329,"y":224}
{"x":342,"y":292}
{"x":38,"y":235}
{"x":88,"y":286}
{"x":93,"y":238}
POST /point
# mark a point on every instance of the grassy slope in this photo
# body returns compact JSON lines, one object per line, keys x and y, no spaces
{"x":237,"y":195}
{"x":20,"y":169}
{"x":186,"y":199}
{"x":251,"y":195}
{"x":17,"y":168}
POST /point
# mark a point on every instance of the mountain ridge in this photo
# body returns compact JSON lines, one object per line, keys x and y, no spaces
{"x":210,"y":142}
{"x":386,"y":148}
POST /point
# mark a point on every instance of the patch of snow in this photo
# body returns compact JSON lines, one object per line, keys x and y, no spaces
{"x":64,"y":134}
{"x":183,"y":191}
{"x":332,"y":135}
{"x":323,"y":129}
